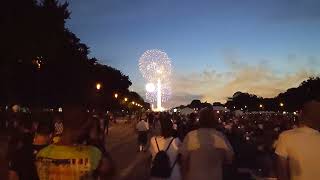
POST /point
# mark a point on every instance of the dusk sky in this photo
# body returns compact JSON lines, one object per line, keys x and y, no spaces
{"x":217,"y":47}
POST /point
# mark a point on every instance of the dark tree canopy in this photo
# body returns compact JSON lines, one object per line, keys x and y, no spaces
{"x":42,"y":63}
{"x":291,"y":100}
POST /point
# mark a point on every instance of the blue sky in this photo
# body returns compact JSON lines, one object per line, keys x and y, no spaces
{"x":217,"y":46}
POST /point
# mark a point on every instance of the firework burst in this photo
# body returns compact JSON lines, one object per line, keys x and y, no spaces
{"x":155,"y":64}
{"x":155,"y":67}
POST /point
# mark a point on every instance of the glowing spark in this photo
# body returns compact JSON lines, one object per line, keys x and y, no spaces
{"x":150,"y":87}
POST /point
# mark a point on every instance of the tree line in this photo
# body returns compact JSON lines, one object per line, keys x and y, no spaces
{"x":290,"y":101}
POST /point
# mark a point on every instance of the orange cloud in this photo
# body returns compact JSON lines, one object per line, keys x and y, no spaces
{"x":260,"y":79}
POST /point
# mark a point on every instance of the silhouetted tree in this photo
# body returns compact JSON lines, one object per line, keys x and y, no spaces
{"x":42,"y":63}
{"x":291,"y":100}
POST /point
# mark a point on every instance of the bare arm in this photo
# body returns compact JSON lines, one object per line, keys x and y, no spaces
{"x":184,"y":157}
{"x":283,"y":168}
{"x":184,"y":165}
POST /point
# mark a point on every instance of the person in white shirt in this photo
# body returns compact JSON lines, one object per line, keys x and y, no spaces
{"x":167,"y":142}
{"x":142,"y":127}
{"x":204,"y":151}
{"x":298,"y":149}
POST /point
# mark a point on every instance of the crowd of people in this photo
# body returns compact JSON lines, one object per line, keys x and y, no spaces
{"x":68,"y":145}
{"x":217,"y":145}
{"x":208,"y":144}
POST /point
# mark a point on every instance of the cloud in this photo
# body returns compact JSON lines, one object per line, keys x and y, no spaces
{"x":181,"y":99}
{"x":260,"y":79}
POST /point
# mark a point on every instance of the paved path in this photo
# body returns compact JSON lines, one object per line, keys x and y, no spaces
{"x":122,"y":145}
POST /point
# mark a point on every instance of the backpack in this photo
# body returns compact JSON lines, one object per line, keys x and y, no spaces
{"x":161,"y":166}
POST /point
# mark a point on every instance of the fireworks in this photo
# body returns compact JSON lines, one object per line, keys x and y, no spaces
{"x":150,"y":87}
{"x":155,"y":64}
{"x":151,"y":96}
{"x":155,"y":67}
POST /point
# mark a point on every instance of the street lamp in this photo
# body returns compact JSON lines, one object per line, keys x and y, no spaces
{"x":133,"y":102}
{"x":116,"y":95}
{"x":261,"y":106}
{"x":98,"y":86}
{"x":281,"y":104}
{"x":125,"y":99}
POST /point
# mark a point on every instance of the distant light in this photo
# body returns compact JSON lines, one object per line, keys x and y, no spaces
{"x":175,"y":110}
{"x":116,"y":95}
{"x":126,"y":99}
{"x":60,"y":109}
{"x":218,"y":112}
{"x":284,"y":112}
{"x":261,"y":106}
{"x":281,"y":104}
{"x":133,"y":102}
{"x":245,"y":106}
{"x":98,"y":86}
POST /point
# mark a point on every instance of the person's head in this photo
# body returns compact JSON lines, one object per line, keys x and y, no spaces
{"x":57,"y":117}
{"x":310,"y":114}
{"x":25,"y":122}
{"x":207,"y":118}
{"x":44,"y":130}
{"x":166,"y":126}
{"x":143,"y":118}
{"x":76,"y":121}
{"x":94,"y":130}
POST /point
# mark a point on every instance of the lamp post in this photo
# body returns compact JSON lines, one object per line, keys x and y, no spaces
{"x":98,"y":86}
{"x":261,"y":106}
